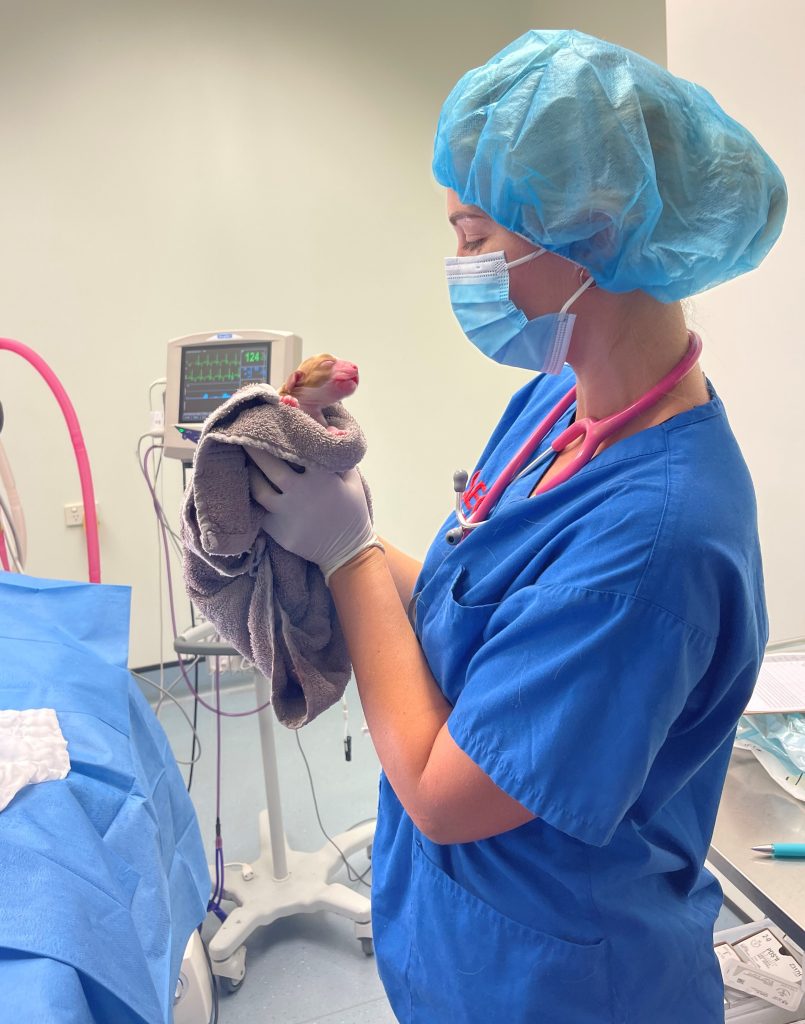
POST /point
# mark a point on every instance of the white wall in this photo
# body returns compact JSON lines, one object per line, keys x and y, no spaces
{"x":172,"y":167}
{"x":753,"y":340}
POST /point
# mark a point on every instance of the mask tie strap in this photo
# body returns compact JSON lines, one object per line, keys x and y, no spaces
{"x":525,"y":259}
{"x":589,"y":283}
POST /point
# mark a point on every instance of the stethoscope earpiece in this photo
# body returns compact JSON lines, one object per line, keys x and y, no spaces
{"x":456,"y":534}
{"x":460,"y":478}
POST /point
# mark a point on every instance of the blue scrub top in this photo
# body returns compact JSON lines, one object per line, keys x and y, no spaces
{"x":597,"y":644}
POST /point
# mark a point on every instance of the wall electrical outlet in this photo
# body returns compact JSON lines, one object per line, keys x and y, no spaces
{"x":74,"y":513}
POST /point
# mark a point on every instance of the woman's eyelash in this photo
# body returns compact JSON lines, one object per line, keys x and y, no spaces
{"x":474,"y":245}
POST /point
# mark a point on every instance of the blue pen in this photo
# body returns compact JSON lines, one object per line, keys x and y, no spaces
{"x":782,"y":849}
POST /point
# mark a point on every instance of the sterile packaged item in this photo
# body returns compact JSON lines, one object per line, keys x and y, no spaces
{"x":741,"y":1004}
{"x":724,"y":952}
{"x":732,"y":998}
{"x":763,"y":984}
{"x":780,"y":735}
{"x":766,"y":952}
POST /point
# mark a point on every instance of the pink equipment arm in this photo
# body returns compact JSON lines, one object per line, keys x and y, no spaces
{"x":74,"y":428}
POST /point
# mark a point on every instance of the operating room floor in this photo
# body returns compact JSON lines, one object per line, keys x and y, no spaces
{"x":308,"y":969}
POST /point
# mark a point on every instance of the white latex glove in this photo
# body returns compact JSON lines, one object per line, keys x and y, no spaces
{"x":317,"y":514}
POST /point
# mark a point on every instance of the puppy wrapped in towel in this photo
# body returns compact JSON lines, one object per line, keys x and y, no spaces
{"x":273,"y":607}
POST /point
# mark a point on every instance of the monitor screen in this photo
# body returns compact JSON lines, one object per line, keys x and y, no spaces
{"x":213,"y":373}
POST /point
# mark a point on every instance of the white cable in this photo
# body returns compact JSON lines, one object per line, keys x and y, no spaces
{"x":167,"y":693}
{"x":161,"y":518}
{"x":162,"y":581}
{"x":176,"y":540}
{"x":16,"y":518}
{"x":157,"y":435}
{"x":12,"y":554}
{"x":160,"y":613}
{"x":11,"y":531}
{"x":154,"y":383}
{"x":171,"y":686}
{"x":160,"y":586}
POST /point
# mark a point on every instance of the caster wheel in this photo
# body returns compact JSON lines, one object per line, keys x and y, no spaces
{"x":229,"y":986}
{"x":368,"y":947}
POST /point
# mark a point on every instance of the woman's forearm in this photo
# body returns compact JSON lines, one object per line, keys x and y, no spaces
{"x":404,"y":571}
{"x":404,"y":707}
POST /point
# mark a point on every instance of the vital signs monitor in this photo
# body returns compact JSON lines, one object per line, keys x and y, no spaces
{"x":206,"y":369}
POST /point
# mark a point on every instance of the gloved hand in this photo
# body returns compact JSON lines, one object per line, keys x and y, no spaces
{"x":317,"y":514}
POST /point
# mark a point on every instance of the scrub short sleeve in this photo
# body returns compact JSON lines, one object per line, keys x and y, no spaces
{"x":571,"y":696}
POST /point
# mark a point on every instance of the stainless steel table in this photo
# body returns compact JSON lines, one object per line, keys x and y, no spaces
{"x":754,"y":811}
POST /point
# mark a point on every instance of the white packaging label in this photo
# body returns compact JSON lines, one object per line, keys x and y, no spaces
{"x":762,"y":984}
{"x":765,"y":951}
{"x":726,"y":954}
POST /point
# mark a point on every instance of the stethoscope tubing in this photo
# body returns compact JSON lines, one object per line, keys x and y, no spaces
{"x":590,"y":432}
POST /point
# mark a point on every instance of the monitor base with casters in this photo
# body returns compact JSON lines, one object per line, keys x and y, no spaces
{"x":281,"y":881}
{"x":307,"y":887}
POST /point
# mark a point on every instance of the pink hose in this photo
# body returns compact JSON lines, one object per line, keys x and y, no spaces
{"x":84,"y":473}
{"x":4,"y":553}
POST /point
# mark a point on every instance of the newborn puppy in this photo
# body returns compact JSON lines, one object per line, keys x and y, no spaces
{"x":317,"y":382}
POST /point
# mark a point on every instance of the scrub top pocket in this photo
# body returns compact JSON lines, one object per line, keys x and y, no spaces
{"x":469,"y":963}
{"x":451,"y":629}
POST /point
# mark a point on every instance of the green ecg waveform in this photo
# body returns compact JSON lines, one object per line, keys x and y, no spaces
{"x":202,"y":368}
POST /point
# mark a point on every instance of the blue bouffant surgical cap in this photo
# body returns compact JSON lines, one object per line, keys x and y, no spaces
{"x":602,"y":156}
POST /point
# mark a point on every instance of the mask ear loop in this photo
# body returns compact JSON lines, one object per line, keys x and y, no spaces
{"x":525,"y":259}
{"x":589,"y":283}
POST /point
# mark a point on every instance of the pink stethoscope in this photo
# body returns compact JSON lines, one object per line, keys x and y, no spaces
{"x":591,"y":434}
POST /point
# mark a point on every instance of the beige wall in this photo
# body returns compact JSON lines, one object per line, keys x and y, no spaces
{"x":170,"y":168}
{"x":751,"y":327}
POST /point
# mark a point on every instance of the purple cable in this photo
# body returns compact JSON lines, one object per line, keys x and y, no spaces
{"x":215,"y":902}
{"x":218,"y":737}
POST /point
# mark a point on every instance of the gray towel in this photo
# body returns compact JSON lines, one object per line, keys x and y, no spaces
{"x":273,"y":607}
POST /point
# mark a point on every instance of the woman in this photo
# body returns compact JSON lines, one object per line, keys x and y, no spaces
{"x":555,"y":719}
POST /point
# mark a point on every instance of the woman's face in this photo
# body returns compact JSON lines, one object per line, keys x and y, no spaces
{"x":540,"y":286}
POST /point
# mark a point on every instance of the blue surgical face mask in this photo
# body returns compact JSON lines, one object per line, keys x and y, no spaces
{"x":479,"y":294}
